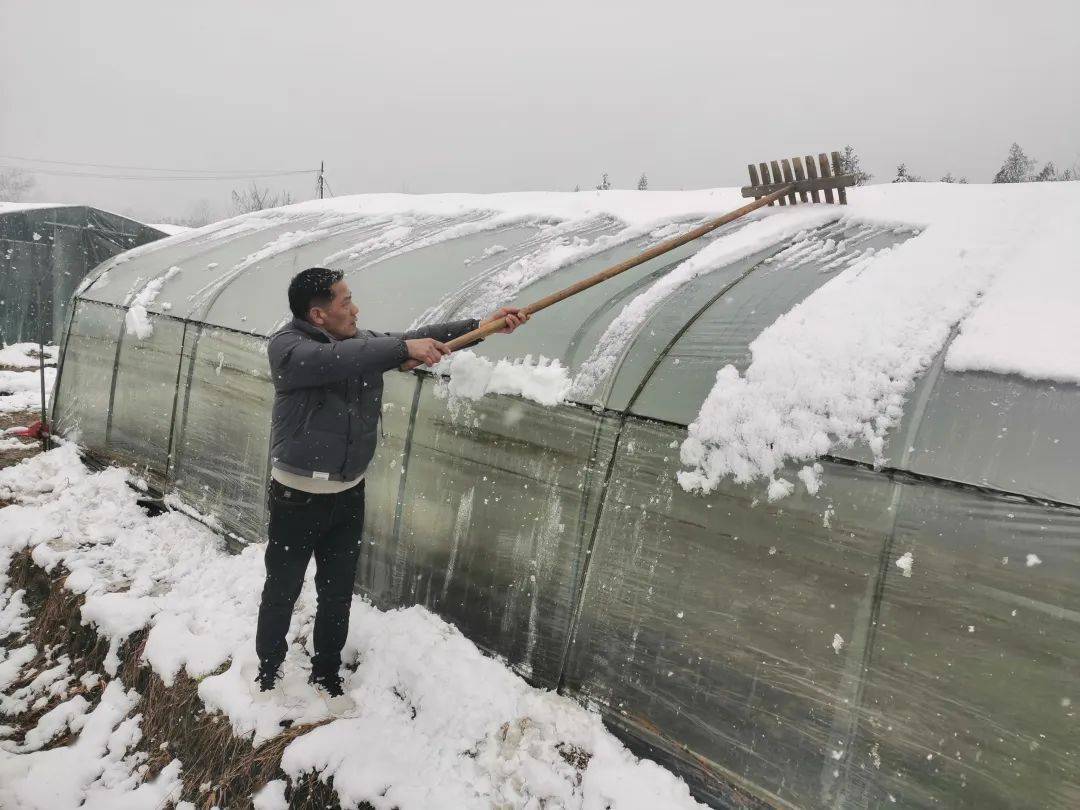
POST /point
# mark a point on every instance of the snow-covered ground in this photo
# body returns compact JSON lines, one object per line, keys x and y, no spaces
{"x":25,"y":355}
{"x":435,"y":723}
{"x":20,"y":381}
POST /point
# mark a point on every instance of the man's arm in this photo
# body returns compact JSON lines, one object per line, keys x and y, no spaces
{"x":297,"y":362}
{"x":514,"y":317}
{"x":442,"y":332}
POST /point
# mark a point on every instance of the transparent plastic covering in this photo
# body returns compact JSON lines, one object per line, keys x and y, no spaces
{"x":144,"y":397}
{"x":80,"y":405}
{"x":44,"y":255}
{"x":1000,"y":431}
{"x":786,"y":651}
{"x":771,"y":650}
{"x":497,"y":506}
{"x":221,"y":431}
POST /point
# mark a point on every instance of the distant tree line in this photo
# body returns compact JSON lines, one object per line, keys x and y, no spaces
{"x":605,"y":183}
{"x":241,"y":201}
{"x":1017,"y":168}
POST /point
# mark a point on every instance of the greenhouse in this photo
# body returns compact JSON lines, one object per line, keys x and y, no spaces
{"x":45,"y":252}
{"x":901,"y":623}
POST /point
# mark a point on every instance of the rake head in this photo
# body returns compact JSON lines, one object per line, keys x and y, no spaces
{"x":806,"y":181}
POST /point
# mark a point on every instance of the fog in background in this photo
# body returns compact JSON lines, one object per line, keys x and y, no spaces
{"x":486,"y":96}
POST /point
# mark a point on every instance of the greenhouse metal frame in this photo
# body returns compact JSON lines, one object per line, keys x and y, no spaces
{"x":702,"y":627}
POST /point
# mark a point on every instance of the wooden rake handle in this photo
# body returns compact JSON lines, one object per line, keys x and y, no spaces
{"x":656,"y":250}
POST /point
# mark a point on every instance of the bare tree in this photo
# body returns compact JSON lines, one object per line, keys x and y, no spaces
{"x":949,"y":178}
{"x":246,"y":200}
{"x":15,"y":184}
{"x":198,"y":214}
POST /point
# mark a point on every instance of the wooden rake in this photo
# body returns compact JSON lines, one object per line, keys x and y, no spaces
{"x":778,"y":185}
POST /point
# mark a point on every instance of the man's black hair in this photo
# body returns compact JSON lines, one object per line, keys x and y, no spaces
{"x":311,"y":288}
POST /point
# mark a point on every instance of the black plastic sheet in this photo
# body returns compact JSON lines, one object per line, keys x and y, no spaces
{"x":44,"y":254}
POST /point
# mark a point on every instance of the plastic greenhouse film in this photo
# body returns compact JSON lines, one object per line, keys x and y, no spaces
{"x":497,"y":510}
{"x":221,"y":435}
{"x":144,"y":397}
{"x":1002,"y":431}
{"x":734,"y":628}
{"x":81,"y":407}
{"x":842,"y":648}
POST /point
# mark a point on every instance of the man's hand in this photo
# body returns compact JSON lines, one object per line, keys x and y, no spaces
{"x":515,"y":317}
{"x":424,"y":352}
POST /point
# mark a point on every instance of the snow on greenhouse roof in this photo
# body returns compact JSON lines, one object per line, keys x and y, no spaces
{"x":1028,"y":322}
{"x":836,"y":367}
{"x":12,"y":207}
{"x":168,"y":228}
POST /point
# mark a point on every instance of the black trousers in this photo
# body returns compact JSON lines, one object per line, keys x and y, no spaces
{"x":303,"y":525}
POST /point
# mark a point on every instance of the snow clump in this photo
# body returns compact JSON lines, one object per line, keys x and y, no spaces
{"x":469,"y":376}
{"x":904,"y":563}
{"x":136,"y":322}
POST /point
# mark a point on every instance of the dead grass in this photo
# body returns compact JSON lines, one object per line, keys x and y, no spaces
{"x":219,"y":768}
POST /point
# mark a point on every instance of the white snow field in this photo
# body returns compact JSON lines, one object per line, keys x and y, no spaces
{"x":480,"y":738}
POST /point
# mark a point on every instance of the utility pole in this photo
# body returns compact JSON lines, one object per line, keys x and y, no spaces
{"x":321,"y":182}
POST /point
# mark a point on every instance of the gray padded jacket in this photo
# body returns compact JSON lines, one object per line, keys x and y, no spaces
{"x":328,"y":395}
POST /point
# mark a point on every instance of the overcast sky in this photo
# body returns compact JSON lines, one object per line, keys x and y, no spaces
{"x":485,"y":96}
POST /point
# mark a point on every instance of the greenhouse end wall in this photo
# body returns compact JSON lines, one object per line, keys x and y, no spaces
{"x":704,"y":629}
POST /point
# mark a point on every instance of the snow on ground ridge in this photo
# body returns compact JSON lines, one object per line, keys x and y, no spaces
{"x":486,"y":738}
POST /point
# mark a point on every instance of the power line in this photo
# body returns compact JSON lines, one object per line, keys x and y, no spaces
{"x":113,"y":176}
{"x":252,"y":172}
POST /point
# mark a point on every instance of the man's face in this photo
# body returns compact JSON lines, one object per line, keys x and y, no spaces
{"x":339,"y":316}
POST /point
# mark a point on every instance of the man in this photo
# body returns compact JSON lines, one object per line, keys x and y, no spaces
{"x":327,"y":397}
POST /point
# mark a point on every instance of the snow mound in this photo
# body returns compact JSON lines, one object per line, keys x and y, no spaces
{"x":469,"y":376}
